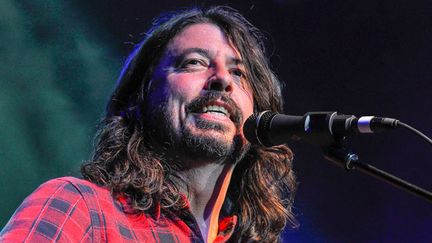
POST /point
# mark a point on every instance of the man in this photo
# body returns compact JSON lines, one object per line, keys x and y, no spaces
{"x":171,"y":163}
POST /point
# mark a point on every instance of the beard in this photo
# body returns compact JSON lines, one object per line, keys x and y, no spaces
{"x":188,"y":149}
{"x":206,"y":147}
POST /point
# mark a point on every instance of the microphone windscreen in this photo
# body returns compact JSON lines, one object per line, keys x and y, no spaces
{"x":256,"y":128}
{"x":249,"y":129}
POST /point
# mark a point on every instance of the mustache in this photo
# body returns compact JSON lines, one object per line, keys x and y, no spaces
{"x":211,"y":96}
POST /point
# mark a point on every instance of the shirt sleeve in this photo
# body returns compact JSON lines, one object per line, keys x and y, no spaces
{"x":56,"y":211}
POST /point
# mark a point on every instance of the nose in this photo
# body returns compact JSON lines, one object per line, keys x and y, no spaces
{"x":220,"y":81}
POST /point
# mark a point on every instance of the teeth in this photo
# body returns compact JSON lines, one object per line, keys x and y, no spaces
{"x":215,"y":108}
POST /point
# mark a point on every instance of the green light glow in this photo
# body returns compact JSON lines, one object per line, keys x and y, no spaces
{"x":55,"y":78}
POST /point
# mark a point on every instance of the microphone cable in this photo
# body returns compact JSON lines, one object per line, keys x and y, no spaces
{"x":415,"y":131}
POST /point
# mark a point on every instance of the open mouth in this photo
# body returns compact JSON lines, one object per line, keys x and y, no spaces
{"x":216,"y":104}
{"x":216,"y":110}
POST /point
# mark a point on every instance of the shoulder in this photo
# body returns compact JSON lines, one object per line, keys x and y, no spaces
{"x":68,"y":190}
{"x":72,"y":188}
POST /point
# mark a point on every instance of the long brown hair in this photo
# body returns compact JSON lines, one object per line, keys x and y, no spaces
{"x":262,"y":189}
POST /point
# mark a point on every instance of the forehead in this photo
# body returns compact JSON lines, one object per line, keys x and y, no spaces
{"x":206,"y":36}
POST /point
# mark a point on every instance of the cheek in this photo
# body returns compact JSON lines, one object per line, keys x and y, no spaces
{"x":246,"y":103}
{"x":182,"y":90}
{"x":247,"y":110}
{"x":184,"y":87}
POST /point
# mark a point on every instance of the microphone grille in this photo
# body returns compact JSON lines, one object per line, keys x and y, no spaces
{"x":256,"y":128}
{"x":249,"y":129}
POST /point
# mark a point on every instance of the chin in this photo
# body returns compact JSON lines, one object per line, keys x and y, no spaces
{"x":211,"y":128}
{"x":207,"y":144}
{"x":212,"y":144}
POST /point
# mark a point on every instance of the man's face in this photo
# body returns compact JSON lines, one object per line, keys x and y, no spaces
{"x":199,"y":90}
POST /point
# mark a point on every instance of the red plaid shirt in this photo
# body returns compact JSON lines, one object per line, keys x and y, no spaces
{"x":73,"y":210}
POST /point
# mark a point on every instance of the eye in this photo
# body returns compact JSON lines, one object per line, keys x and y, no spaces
{"x":238,"y":72}
{"x":193,"y":62}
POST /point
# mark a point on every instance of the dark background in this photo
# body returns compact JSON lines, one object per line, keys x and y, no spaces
{"x":60,"y":60}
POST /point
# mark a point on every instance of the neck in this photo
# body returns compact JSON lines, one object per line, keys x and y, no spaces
{"x":206,"y":189}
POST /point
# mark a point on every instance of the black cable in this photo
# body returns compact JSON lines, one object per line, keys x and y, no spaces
{"x":415,"y":131}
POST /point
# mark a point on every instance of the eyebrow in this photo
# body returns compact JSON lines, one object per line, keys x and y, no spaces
{"x":206,"y":53}
{"x":237,"y":61}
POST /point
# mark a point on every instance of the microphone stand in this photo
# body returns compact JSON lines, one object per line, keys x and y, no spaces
{"x":338,"y":154}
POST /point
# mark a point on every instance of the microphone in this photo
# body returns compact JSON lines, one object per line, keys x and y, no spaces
{"x":317,"y":128}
